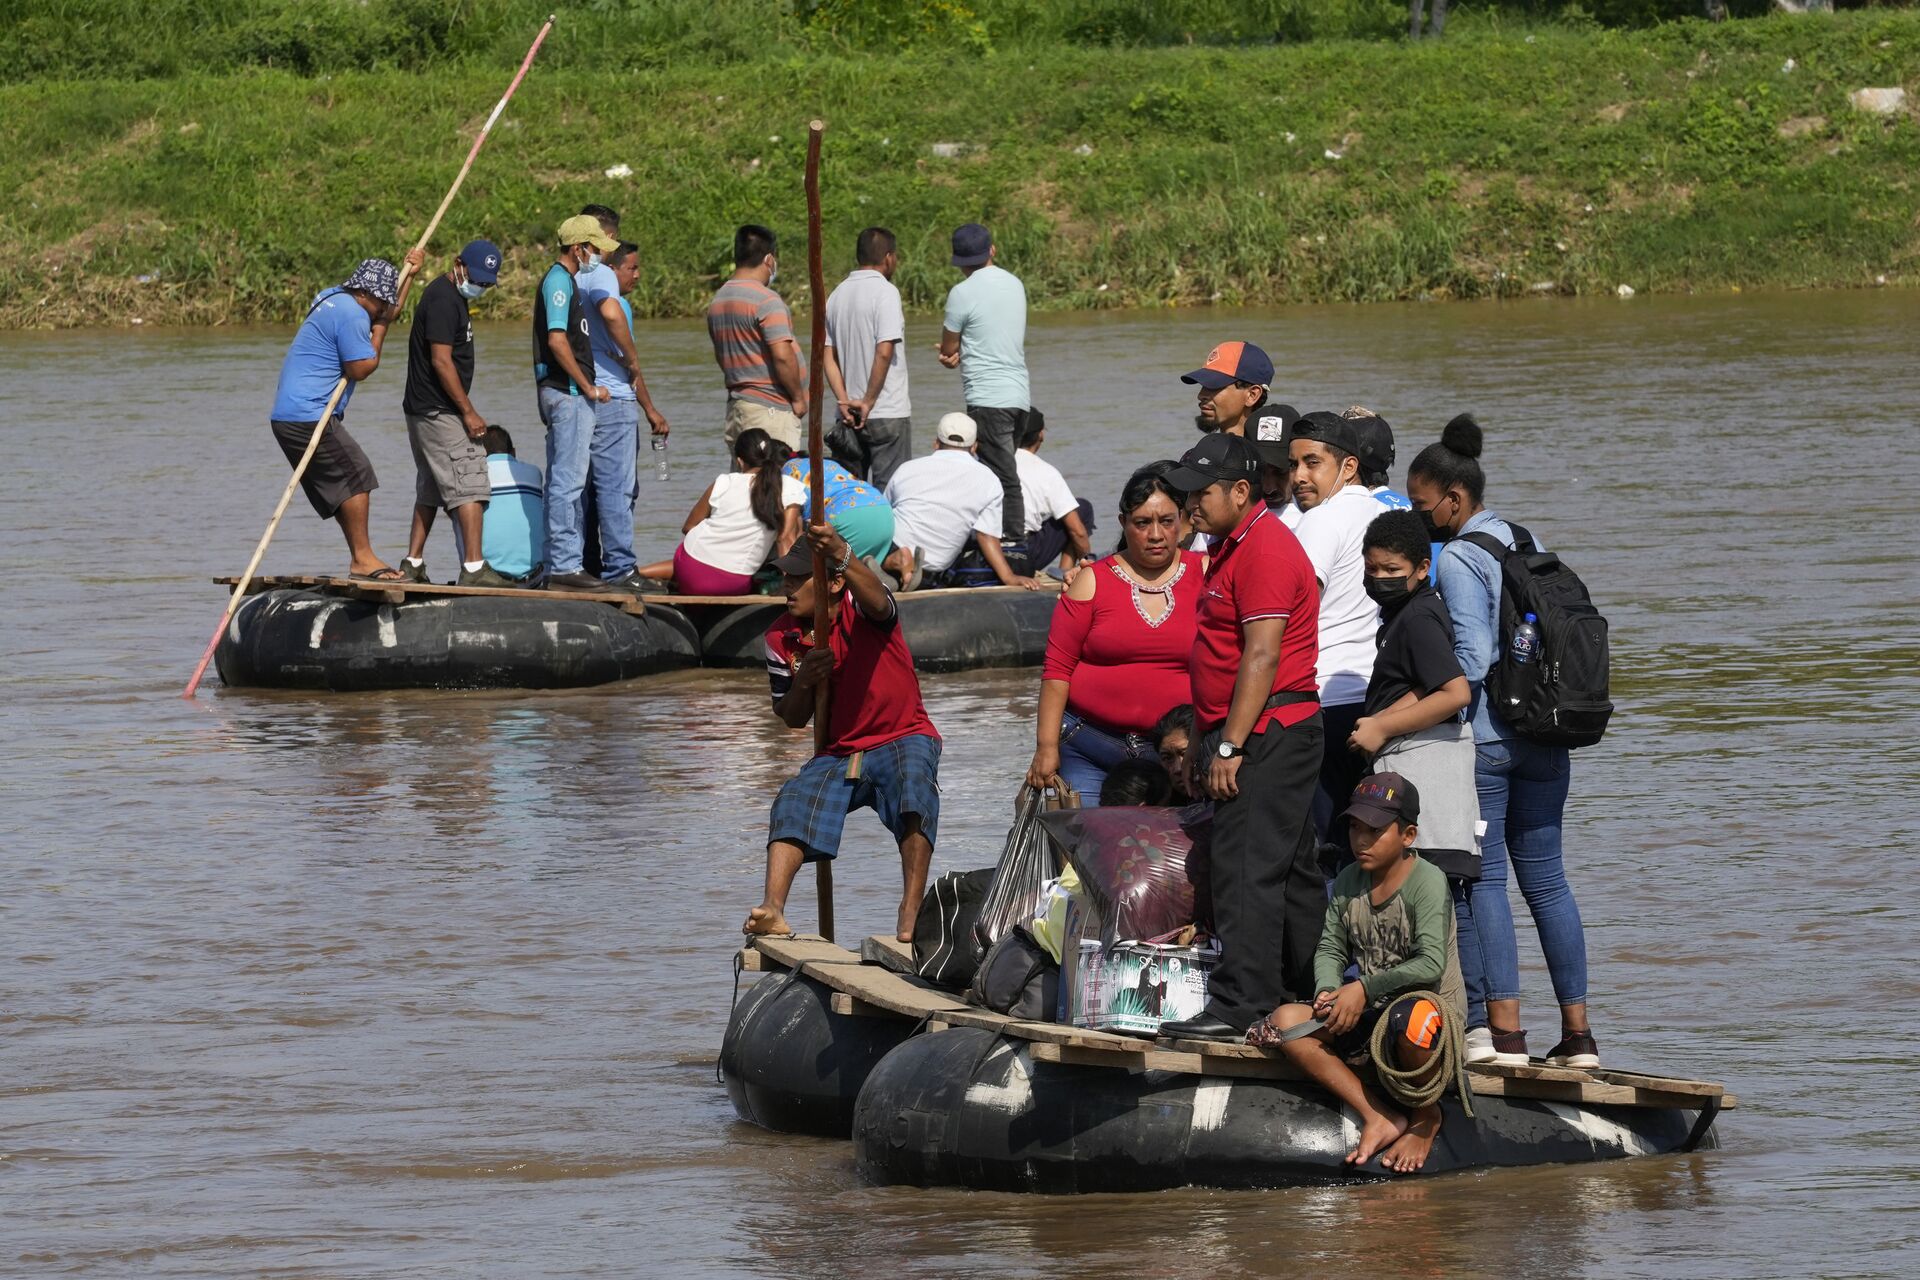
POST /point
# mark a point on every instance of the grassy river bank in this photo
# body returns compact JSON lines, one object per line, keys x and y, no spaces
{"x":1505,"y":160}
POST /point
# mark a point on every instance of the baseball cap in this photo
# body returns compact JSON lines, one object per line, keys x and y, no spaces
{"x":378,"y":277}
{"x":1218,"y":459}
{"x":584,"y":229}
{"x":971,"y":244}
{"x":798,"y":562}
{"x":1375,"y":438}
{"x":1232,"y":362}
{"x":958,"y":430}
{"x":1270,"y":428}
{"x":1328,"y":428}
{"x":482,"y":259}
{"x":1382,"y":799}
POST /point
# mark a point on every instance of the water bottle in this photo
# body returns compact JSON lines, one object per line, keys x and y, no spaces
{"x":660,"y":458}
{"x":1526,"y":641}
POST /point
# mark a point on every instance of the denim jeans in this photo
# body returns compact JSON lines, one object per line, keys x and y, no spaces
{"x":570,"y":423}
{"x":1087,"y":753}
{"x":1523,"y":794}
{"x":615,"y":474}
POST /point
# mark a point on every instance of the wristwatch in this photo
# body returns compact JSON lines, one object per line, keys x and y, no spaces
{"x":1227,"y":751}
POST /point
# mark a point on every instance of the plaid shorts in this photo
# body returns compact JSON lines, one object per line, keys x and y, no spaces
{"x":897,"y":779}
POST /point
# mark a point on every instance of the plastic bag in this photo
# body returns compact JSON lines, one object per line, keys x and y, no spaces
{"x":1144,"y":868}
{"x":1020,"y":881}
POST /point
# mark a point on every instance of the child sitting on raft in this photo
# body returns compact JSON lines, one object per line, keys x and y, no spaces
{"x":1392,"y":915}
{"x":743,"y":516}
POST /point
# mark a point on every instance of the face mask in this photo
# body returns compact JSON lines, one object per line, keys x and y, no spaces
{"x":773,"y":273}
{"x":1435,"y":532}
{"x":1387,"y":592}
{"x":593,"y":260}
{"x":469,"y":290}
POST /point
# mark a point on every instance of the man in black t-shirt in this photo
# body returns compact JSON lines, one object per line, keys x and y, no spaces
{"x":444,"y":428}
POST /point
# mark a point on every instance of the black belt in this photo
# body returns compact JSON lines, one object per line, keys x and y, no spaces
{"x":1284,"y":698}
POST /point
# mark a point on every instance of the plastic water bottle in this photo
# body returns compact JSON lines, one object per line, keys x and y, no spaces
{"x":660,"y":458}
{"x":1526,"y":641}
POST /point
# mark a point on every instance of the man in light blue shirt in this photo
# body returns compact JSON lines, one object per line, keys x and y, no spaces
{"x":985,"y":336}
{"x":514,"y":530}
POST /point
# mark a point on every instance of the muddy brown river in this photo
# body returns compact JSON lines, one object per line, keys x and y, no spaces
{"x":431,"y":984}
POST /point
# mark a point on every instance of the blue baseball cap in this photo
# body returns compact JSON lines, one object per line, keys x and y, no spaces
{"x":482,"y":259}
{"x":972,"y":245}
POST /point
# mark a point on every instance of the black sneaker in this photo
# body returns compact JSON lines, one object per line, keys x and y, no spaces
{"x":487,"y":576}
{"x":632,"y":584}
{"x":1510,"y":1048}
{"x":1576,"y":1049}
{"x":412,"y":572}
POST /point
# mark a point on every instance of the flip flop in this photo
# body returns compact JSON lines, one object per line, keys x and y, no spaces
{"x":388,"y":574}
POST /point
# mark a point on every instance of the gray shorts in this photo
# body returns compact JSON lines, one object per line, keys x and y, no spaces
{"x":450,"y":467}
{"x":339,"y":469}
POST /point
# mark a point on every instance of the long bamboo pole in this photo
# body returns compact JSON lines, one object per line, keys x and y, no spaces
{"x":340,"y":387}
{"x":817,"y":476}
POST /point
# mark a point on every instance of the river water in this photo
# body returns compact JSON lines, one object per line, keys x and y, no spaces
{"x":432,"y":984}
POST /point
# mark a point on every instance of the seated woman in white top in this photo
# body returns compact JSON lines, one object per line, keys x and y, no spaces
{"x":745,"y":518}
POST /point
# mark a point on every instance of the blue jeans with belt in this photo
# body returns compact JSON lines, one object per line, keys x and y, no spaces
{"x":1523,"y":795}
{"x":1087,"y":752}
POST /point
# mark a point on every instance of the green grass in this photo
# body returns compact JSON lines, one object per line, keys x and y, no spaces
{"x":1513,"y":154}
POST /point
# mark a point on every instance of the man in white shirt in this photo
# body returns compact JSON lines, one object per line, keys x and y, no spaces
{"x":1057,"y":522}
{"x":1335,"y":510}
{"x":866,"y":364}
{"x":984,"y":335}
{"x":941,"y":503}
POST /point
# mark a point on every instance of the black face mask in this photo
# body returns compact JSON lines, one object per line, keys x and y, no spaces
{"x":1435,"y":532}
{"x":1388,"y":592}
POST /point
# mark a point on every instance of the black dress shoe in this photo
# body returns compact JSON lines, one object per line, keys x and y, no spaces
{"x":1204,"y":1027}
{"x":578,"y":581}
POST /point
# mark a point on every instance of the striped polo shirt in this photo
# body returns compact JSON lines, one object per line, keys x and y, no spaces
{"x":744,"y":319}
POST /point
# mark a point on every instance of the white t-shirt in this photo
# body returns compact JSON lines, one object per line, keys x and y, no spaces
{"x":732,"y":537}
{"x":940,"y":501}
{"x":862,"y":311}
{"x":1332,"y":535}
{"x":1044,"y":493}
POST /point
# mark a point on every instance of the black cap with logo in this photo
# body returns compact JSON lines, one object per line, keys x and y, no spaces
{"x":1218,"y":459}
{"x":1270,"y":427}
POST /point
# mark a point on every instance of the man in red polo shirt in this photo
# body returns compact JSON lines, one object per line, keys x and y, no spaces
{"x":1257,"y":709}
{"x":882,"y":751}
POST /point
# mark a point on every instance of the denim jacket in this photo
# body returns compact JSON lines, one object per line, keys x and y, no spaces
{"x":1469,"y":581}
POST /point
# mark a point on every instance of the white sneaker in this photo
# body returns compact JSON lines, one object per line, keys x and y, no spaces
{"x":1479,"y":1043}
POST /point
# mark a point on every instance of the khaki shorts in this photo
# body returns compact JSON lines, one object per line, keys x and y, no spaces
{"x":744,"y":415}
{"x":450,"y":467}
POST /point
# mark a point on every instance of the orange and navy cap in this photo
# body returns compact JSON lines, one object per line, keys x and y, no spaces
{"x":1232,"y":362}
{"x":1383,"y":799}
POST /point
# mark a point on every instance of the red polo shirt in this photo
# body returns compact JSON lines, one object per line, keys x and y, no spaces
{"x":1258,"y":571}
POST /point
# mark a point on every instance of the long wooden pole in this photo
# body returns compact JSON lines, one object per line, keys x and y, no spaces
{"x":817,"y":475}
{"x":340,"y":387}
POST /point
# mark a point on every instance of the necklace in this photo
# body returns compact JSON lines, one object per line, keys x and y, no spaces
{"x":1139,"y":589}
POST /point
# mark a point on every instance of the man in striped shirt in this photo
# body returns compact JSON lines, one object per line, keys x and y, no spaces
{"x":753,"y":343}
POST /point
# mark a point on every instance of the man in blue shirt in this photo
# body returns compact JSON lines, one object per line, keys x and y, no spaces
{"x":984,"y":335}
{"x":563,"y":373}
{"x":340,"y":338}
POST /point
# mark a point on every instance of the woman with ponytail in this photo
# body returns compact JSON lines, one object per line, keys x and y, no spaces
{"x":745,"y":517}
{"x":1522,"y":785}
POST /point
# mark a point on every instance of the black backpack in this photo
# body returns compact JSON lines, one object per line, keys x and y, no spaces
{"x":1559,"y":699}
{"x":945,"y":949}
{"x":1017,"y":977}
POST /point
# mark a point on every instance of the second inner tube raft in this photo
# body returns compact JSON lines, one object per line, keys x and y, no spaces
{"x":951,"y":629}
{"x":971,"y":1108}
{"x":306,"y":640}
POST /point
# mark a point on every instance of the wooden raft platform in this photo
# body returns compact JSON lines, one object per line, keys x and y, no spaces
{"x":397,"y":592}
{"x":871,"y":984}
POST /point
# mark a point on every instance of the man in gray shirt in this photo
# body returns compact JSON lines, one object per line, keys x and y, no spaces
{"x":866,"y":364}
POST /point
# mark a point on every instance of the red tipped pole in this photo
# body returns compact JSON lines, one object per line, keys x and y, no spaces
{"x":817,"y":475}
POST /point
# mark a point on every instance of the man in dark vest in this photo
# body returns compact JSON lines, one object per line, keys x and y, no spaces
{"x":563,"y":371}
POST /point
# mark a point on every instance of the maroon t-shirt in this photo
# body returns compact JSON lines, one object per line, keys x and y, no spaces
{"x":875,"y":694}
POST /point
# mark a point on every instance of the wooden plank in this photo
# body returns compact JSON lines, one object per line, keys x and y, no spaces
{"x":855,"y":1007}
{"x":1666,"y":1084}
{"x":1587,"y":1093}
{"x":791,"y":953}
{"x":1542,"y":1071}
{"x":878,"y":987}
{"x":737,"y":602}
{"x":888,"y":953}
{"x":1144,"y":1058}
{"x":397,"y":592}
{"x":752,"y":961}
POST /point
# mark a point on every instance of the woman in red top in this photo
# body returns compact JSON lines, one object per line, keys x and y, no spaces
{"x":1118,"y":646}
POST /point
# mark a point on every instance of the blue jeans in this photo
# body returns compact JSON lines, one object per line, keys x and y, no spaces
{"x":1087,"y":752}
{"x":570,"y":423}
{"x":615,"y":476}
{"x":1523,"y":794}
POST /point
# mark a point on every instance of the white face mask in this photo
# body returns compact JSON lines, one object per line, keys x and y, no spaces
{"x":593,"y":260}
{"x":469,"y":290}
{"x":773,"y":272}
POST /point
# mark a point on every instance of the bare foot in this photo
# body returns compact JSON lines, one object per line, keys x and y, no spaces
{"x":903,"y":930}
{"x":1409,"y":1151}
{"x":1385,"y":1127}
{"x":766,"y":922}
